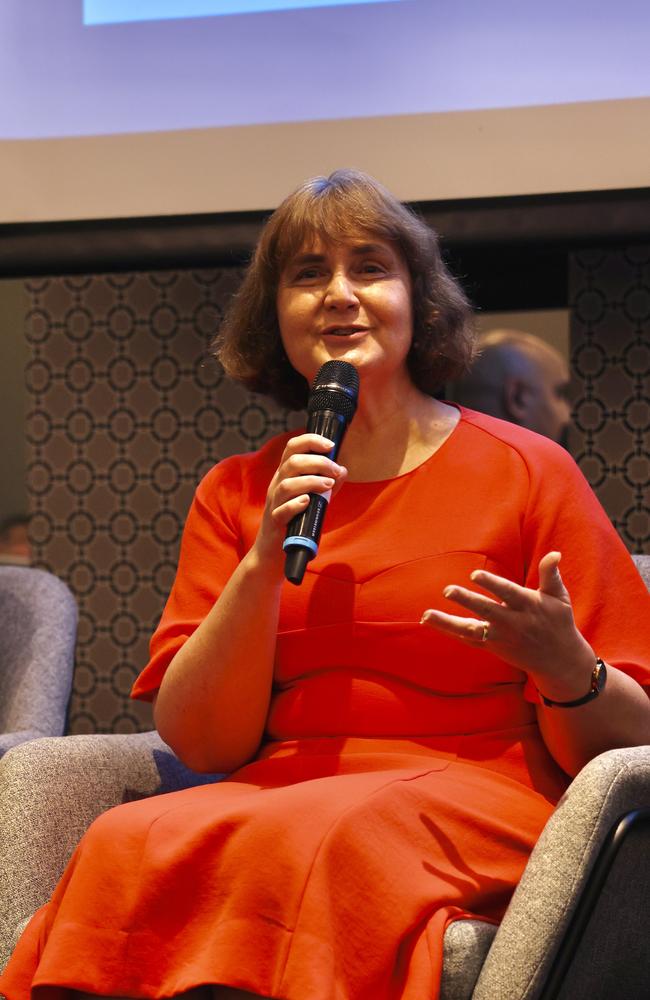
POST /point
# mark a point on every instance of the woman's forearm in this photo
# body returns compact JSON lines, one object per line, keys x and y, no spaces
{"x":618,"y":717}
{"x":212,"y":704}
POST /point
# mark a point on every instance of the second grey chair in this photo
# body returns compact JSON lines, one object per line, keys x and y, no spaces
{"x":38,"y":627}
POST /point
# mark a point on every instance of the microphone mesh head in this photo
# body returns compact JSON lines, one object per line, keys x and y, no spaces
{"x":336,"y":387}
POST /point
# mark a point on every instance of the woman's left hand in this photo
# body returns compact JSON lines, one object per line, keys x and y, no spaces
{"x":534,"y":630}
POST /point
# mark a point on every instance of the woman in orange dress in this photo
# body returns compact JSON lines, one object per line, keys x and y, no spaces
{"x":391,"y":761}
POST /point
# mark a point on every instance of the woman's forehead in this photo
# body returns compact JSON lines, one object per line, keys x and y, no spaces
{"x":318,"y":243}
{"x":332,"y":228}
{"x":360,"y":241}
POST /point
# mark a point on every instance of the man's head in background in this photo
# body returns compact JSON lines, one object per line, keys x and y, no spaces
{"x":15,"y":546}
{"x":519,"y":377}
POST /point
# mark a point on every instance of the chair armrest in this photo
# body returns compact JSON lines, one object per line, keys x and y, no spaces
{"x":9,"y":740}
{"x":51,"y":790}
{"x":525,"y":945}
{"x":39,"y":619}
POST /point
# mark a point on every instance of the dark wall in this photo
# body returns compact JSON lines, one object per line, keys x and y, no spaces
{"x":610,"y":361}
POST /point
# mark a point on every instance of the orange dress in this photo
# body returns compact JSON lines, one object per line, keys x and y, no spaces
{"x":403,"y":780}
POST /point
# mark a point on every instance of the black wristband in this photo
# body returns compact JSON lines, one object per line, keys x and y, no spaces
{"x":598,"y":681}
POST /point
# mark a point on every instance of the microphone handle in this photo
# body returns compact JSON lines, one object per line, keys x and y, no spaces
{"x":303,"y":530}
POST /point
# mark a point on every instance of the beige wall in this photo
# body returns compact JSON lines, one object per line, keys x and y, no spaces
{"x":584,"y":146}
{"x":552,"y":325}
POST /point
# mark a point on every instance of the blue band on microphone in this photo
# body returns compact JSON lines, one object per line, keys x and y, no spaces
{"x":299,"y":540}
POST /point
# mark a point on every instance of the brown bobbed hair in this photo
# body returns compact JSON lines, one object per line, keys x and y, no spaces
{"x":347,"y":205}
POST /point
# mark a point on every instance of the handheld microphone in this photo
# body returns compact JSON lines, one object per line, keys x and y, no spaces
{"x":332,"y":404}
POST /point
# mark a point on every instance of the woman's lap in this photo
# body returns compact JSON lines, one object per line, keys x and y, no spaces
{"x":279,"y":890}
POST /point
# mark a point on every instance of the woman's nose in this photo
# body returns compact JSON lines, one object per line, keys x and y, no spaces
{"x":340,"y":291}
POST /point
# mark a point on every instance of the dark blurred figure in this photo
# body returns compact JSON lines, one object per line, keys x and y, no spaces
{"x":15,"y":547}
{"x":520,"y":378}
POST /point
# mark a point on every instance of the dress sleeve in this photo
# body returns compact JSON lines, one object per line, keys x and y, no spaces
{"x":211,"y":549}
{"x":610,"y":601}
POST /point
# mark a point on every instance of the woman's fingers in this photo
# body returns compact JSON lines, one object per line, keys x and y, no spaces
{"x":304,"y":468}
{"x":292,"y":487}
{"x":282,"y":515}
{"x":308,"y":442}
{"x":301,"y":459}
{"x":292,"y":496}
{"x":512,"y":594}
{"x":340,"y":480}
{"x":305,"y":444}
{"x":532,"y":629}
{"x":493,"y":617}
{"x":550,"y":579}
{"x":469,"y":629}
{"x":481,"y":605}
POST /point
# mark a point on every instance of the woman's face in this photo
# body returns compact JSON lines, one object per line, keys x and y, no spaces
{"x":347,"y":302}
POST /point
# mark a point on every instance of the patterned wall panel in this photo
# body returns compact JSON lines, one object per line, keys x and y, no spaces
{"x":127,"y":413}
{"x":610,"y":360}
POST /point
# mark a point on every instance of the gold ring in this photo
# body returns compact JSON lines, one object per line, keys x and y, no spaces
{"x":486,"y":628}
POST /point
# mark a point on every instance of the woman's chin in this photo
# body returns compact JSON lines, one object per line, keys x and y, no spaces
{"x":333,"y":352}
{"x":346,"y":349}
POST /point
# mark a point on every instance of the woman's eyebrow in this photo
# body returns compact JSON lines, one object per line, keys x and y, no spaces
{"x":370,"y":248}
{"x":318,"y":258}
{"x":307,"y":258}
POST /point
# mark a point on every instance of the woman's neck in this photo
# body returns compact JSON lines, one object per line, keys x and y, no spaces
{"x":393,"y":434}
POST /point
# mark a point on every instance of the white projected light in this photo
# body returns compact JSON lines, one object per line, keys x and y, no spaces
{"x":120,"y":11}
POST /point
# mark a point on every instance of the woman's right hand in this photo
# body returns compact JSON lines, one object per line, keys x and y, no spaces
{"x":304,"y":468}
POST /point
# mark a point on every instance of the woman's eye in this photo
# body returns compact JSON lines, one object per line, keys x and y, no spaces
{"x":372,"y":268}
{"x":307,"y":274}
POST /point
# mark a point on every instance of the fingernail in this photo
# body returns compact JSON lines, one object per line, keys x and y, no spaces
{"x":425,"y":617}
{"x":328,"y":482}
{"x":474,"y":574}
{"x":448,"y":592}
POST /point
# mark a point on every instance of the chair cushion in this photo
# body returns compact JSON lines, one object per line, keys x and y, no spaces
{"x":466,"y":943}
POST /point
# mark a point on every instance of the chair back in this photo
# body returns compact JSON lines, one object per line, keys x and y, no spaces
{"x":643,"y":566}
{"x":38,"y":625}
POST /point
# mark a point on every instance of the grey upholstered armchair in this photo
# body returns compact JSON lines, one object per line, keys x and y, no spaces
{"x":576,"y":927}
{"x":38,"y":627}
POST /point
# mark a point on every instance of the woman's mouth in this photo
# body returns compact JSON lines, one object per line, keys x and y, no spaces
{"x":343,"y":331}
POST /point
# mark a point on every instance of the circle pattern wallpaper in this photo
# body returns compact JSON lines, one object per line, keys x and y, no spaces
{"x":610,"y":361}
{"x":128,"y":411}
